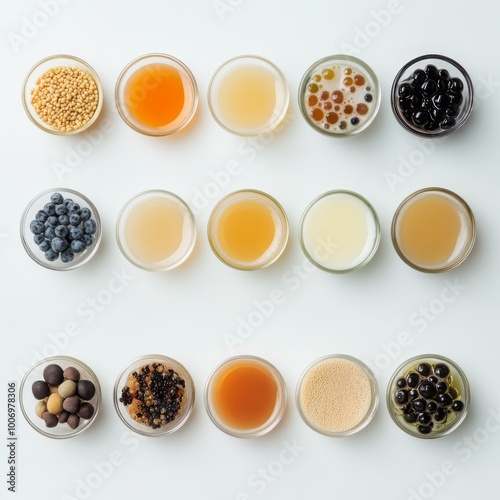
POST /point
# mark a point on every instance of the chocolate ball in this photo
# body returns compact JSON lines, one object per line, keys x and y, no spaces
{"x":73,"y":420}
{"x":72,"y":404}
{"x":50,"y":419}
{"x":86,"y":411}
{"x":71,"y":373}
{"x":40,"y":389}
{"x":63,"y":416}
{"x":53,"y":374}
{"x":85,"y":389}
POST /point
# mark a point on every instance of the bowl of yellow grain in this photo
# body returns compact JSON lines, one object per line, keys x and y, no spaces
{"x":62,"y":95}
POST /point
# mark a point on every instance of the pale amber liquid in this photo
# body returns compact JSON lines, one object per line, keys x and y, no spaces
{"x":247,"y":97}
{"x":431,"y":231}
{"x":154,"y":229}
{"x":246,"y":230}
{"x":244,"y":395}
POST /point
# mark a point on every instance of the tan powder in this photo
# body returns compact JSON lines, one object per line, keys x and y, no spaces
{"x":335,"y":395}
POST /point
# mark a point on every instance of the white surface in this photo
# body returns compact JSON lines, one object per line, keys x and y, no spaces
{"x":187,"y":312}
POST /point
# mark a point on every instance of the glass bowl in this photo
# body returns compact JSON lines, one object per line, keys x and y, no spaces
{"x":248,"y":96}
{"x":43,"y":66}
{"x":175,"y":217}
{"x":253,"y":210}
{"x":430,"y":109}
{"x":339,"y":231}
{"x":240,"y":374}
{"x":186,"y":399}
{"x":28,"y":402}
{"x":155,"y":79}
{"x":27,"y":237}
{"x":405,"y":408}
{"x":422,"y":226}
{"x":341,"y":380}
{"x":339,"y":96}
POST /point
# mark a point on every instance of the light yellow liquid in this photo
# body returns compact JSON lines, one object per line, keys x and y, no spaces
{"x":155,"y":230}
{"x":247,"y":97}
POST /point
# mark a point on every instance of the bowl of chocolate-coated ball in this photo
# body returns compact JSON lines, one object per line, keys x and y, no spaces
{"x":60,"y":397}
{"x":432,"y":96}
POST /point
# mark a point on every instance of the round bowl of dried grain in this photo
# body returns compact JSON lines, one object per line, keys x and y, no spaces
{"x":62,"y":95}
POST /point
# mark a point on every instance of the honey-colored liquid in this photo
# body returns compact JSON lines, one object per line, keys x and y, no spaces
{"x":245,"y":230}
{"x":155,"y":95}
{"x":430,"y":231}
{"x":244,"y":395}
{"x":247,"y":97}
{"x":154,"y":229}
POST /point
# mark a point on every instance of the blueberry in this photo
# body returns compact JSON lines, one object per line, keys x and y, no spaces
{"x":64,"y":220}
{"x":52,"y":221}
{"x":441,"y":370}
{"x":61,"y":209}
{"x":441,"y":387}
{"x":38,"y":238}
{"x":90,"y":226}
{"x":73,"y":207}
{"x":74,"y":219}
{"x":424,"y":369}
{"x":419,"y":404}
{"x":445,"y":400}
{"x":59,"y":245}
{"x":457,"y":406}
{"x":56,"y":198}
{"x":49,"y":209}
{"x":36,"y":227}
{"x":44,"y":246}
{"x":51,"y":256}
{"x":429,"y":88}
{"x":76,"y":233}
{"x":67,"y":201}
{"x":50,"y":233}
{"x":424,"y":429}
{"x":401,"y":397}
{"x":67,"y":255}
{"x":401,"y":383}
{"x":440,"y":415}
{"x":77,"y":246}
{"x":413,"y":379}
{"x":85,"y":214}
{"x":427,"y":389}
{"x":61,"y":231}
{"x":424,"y":419}
{"x":41,"y":216}
{"x":432,"y":407}
{"x":88,"y":240}
{"x":455,"y":85}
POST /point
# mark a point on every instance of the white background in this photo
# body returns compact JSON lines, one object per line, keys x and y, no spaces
{"x":186,"y":313}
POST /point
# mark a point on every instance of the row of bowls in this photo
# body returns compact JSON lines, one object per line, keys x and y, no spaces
{"x":61,"y":431}
{"x":282,"y":96}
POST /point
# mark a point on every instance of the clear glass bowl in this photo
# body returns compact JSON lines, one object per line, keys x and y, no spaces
{"x":464,"y":243}
{"x":339,"y":96}
{"x":43,"y":66}
{"x":28,"y":401}
{"x":187,"y":403}
{"x":363,"y":382}
{"x":454,"y":70}
{"x":277,"y":246}
{"x":31,"y":247}
{"x":189,"y":87}
{"x":188,"y":237}
{"x":230,"y":70}
{"x":221,"y":371}
{"x":332,"y":256}
{"x":456,"y":380}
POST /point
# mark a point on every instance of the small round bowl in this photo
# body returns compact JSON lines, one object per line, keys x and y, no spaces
{"x":186,"y":404}
{"x":154,"y":79}
{"x":339,"y":96}
{"x":339,"y":231}
{"x":30,"y":83}
{"x":337,"y":395}
{"x":220,"y":240}
{"x":402,"y":410}
{"x":418,"y":225}
{"x":222,"y":382}
{"x":27,"y":237}
{"x":177,"y":209}
{"x":28,"y":401}
{"x":240,"y":112}
{"x":411,"y":112}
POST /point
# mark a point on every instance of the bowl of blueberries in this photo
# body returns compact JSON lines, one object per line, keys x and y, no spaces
{"x":432,"y":96}
{"x":60,"y":229}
